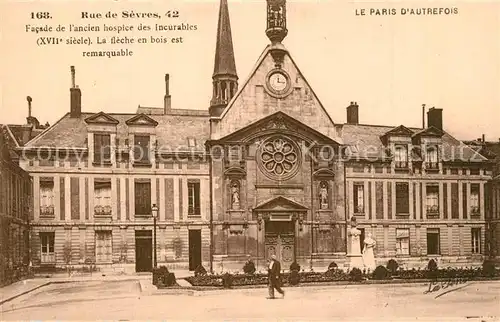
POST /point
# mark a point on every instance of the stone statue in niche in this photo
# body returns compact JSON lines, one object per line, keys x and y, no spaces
{"x":323,"y":195}
{"x":235,"y":195}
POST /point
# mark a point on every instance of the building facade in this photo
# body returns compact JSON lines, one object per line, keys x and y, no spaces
{"x":264,"y":170}
{"x":491,"y":150}
{"x":15,"y":200}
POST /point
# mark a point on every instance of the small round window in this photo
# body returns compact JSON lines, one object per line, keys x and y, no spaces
{"x":278,"y":158}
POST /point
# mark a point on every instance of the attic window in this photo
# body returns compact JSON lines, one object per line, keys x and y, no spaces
{"x":401,"y":156}
{"x":191,"y":142}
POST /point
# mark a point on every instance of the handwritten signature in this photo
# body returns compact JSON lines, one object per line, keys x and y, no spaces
{"x":446,"y":286}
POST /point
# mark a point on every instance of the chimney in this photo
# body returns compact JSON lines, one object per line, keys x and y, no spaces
{"x":75,"y":97}
{"x":435,"y":118}
{"x":29,"y":99}
{"x":483,"y":138}
{"x":168,"y":99}
{"x":423,"y":116}
{"x":31,"y":120}
{"x":353,"y":113}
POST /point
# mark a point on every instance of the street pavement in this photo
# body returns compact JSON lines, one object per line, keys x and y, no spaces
{"x":124,"y":300}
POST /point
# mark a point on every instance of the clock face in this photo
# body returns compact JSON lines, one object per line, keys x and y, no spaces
{"x":278,"y":81}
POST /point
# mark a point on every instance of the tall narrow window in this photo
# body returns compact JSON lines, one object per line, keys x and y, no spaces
{"x":401,"y":156}
{"x":402,"y":241}
{"x":102,"y":148}
{"x":46,"y":197}
{"x":432,"y":200}
{"x":433,"y":246}
{"x":102,"y":197}
{"x":194,"y":198}
{"x":474,"y":199}
{"x":402,"y":198}
{"x":142,"y":198}
{"x":141,"y":149}
{"x":47,"y":248}
{"x":359,"y":198}
{"x":431,"y":158}
{"x":476,"y":240}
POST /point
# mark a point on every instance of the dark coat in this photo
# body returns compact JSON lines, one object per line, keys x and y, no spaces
{"x":275,"y":272}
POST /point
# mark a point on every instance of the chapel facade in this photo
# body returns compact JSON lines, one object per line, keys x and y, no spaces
{"x":263,"y":170}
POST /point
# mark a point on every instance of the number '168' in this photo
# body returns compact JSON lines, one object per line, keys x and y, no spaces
{"x":40,"y":15}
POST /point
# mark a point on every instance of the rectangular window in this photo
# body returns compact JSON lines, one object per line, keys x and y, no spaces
{"x":141,"y":148}
{"x":47,"y":248}
{"x":234,"y":153}
{"x":193,"y":199}
{"x":402,"y":241}
{"x":358,"y":198}
{"x":191,"y":142}
{"x":102,"y":148}
{"x":476,"y":240}
{"x":142,"y":198}
{"x":474,"y":172}
{"x":432,"y":200}
{"x":46,"y":197}
{"x":401,"y":156}
{"x":431,"y":158}
{"x":402,"y":198}
{"x":102,"y":197}
{"x":103,"y":247}
{"x":474,"y":199}
{"x":433,"y":245}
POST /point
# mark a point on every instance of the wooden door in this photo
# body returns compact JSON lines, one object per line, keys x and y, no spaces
{"x":194,"y":249}
{"x":280,"y":241}
{"x":143,"y":251}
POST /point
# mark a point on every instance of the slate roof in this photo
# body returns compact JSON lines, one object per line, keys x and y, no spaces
{"x":172,"y":131}
{"x":19,"y":134}
{"x":366,"y":142}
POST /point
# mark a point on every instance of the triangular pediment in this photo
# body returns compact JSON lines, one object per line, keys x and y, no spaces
{"x":101,"y":118}
{"x":280,"y":204}
{"x":278,"y":122}
{"x":399,"y":131}
{"x":141,"y":120}
{"x":430,"y":132}
{"x":258,"y":97}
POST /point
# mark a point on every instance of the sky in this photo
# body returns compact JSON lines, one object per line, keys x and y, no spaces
{"x":389,"y":64}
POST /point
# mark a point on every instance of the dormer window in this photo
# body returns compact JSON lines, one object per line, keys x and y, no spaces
{"x":431,"y":158}
{"x":401,"y":156}
{"x":191,"y":142}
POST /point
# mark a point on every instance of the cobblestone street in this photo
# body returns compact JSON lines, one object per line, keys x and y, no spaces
{"x":122,"y":300}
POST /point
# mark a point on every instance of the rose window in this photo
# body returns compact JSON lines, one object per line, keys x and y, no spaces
{"x":279,"y":158}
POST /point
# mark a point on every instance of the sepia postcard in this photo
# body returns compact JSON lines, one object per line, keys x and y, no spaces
{"x":209,"y":160}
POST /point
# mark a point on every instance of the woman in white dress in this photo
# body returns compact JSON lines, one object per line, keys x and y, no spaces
{"x":368,"y":256}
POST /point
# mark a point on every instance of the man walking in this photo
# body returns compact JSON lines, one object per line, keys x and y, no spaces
{"x":274,"y":272}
